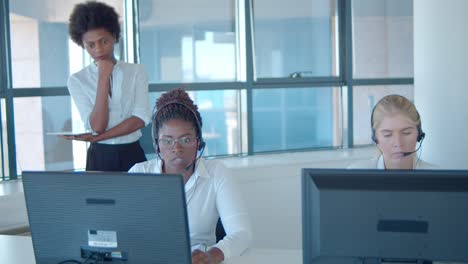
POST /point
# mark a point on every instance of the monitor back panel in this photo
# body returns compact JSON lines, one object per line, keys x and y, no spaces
{"x":382,"y":214}
{"x":141,"y":216}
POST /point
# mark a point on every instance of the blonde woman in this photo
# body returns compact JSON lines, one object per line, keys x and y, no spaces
{"x":397,"y":132}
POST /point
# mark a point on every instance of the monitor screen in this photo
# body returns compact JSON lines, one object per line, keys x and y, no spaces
{"x":374,"y":216}
{"x":107,"y":217}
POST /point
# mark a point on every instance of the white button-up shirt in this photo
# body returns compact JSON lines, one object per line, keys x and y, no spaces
{"x":129,"y":87}
{"x":211,"y":194}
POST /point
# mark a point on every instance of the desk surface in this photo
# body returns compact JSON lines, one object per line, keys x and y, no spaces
{"x":16,"y":250}
{"x":270,"y":256}
{"x":19,"y":250}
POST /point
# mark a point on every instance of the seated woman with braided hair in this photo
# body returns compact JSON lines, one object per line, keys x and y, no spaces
{"x":210,"y":193}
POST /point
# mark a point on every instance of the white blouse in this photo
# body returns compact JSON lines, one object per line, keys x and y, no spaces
{"x":129,"y":86}
{"x":211,"y":194}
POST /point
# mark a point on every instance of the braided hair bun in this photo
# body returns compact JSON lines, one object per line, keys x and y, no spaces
{"x":176,"y":104}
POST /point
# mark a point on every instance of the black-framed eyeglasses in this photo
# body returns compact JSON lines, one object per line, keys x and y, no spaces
{"x":185,"y":141}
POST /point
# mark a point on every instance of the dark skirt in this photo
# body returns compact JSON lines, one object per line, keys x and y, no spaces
{"x":118,"y":157}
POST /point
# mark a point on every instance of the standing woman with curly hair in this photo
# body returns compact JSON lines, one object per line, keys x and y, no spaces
{"x":210,"y":193}
{"x":111,"y":95}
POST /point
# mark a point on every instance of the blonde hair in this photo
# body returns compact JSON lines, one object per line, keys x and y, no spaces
{"x":391,"y":105}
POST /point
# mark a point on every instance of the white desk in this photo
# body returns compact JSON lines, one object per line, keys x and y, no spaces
{"x":270,"y":256}
{"x":19,"y":250}
{"x":16,"y":250}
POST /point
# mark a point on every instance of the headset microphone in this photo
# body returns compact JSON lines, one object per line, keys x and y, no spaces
{"x":408,"y":153}
{"x":411,"y":152}
{"x":191,"y":164}
{"x":187,"y":168}
{"x":196,"y":159}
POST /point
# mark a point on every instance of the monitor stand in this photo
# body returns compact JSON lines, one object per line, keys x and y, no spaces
{"x":103,"y":254}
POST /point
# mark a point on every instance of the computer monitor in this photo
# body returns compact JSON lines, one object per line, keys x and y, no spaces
{"x":107,"y":217}
{"x":375,"y":216}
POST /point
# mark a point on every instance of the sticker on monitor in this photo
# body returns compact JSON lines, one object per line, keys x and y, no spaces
{"x":105,"y":239}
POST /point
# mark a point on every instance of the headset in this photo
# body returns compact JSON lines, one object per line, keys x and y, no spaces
{"x":201,"y":143}
{"x":421,"y":133}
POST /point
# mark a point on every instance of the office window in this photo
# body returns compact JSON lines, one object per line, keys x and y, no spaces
{"x":364,"y":100}
{"x":188,"y":41}
{"x":42,"y":54}
{"x":295,"y":118}
{"x":4,"y":169}
{"x":222,"y":114}
{"x":35,"y":150}
{"x":295,"y":36}
{"x":382,"y":38}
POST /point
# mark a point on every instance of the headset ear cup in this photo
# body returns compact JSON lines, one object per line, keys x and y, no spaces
{"x":155,"y":145}
{"x":421,"y":136}
{"x":156,"y":149}
{"x":201,"y":145}
{"x":374,"y":138}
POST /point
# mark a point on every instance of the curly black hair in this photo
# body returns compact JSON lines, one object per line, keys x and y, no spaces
{"x":176,"y":104}
{"x":92,"y":15}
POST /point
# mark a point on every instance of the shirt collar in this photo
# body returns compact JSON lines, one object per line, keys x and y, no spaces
{"x":200,"y":168}
{"x":380,"y":163}
{"x":200,"y":171}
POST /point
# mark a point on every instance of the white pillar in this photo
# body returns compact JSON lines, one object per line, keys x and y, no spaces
{"x":441,"y":79}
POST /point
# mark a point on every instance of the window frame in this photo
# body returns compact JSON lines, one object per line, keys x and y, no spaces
{"x":249,"y":83}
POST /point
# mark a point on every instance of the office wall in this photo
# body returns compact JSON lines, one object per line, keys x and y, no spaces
{"x":270,"y":185}
{"x":271,"y":188}
{"x":441,"y":88}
